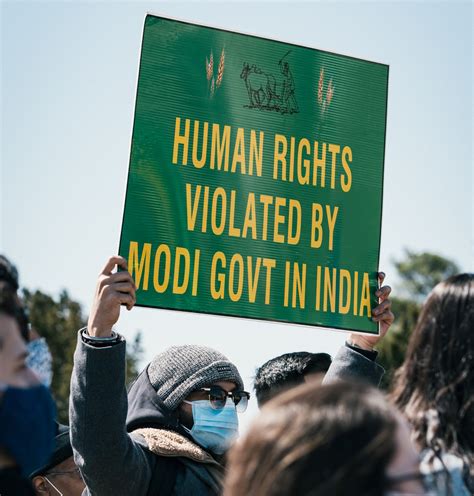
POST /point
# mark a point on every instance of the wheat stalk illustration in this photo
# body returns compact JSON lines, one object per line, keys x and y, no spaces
{"x":213,"y":83}
{"x":220,"y":70}
{"x":209,"y":67}
{"x":329,"y":92}
{"x":321,"y":87}
{"x":324,"y":102}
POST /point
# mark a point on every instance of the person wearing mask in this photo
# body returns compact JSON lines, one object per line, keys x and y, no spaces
{"x":340,"y":439}
{"x":170,"y":434}
{"x":39,"y":357}
{"x":26,"y":406}
{"x":59,"y":476}
{"x":434,"y":387}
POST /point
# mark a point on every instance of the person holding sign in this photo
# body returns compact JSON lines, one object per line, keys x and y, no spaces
{"x":180,"y":416}
{"x":355,"y":360}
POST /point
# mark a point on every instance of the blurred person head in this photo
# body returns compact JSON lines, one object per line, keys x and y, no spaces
{"x":201,"y":390}
{"x":26,"y":406}
{"x":13,"y":351}
{"x":341,"y":439}
{"x":434,"y":387}
{"x":287,"y":371}
{"x":60,"y":476}
{"x":9,"y":281}
{"x":8,"y":274}
{"x":39,"y":357}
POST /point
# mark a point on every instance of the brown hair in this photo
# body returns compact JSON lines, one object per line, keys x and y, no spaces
{"x":434,"y":387}
{"x":316,"y":440}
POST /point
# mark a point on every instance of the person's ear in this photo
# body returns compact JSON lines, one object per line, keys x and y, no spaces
{"x":40,"y":486}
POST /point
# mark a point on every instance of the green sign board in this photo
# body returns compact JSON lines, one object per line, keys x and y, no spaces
{"x":255,"y":179}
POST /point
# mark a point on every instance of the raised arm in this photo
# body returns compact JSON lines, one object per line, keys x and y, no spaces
{"x":111,"y":462}
{"x":356,"y":360}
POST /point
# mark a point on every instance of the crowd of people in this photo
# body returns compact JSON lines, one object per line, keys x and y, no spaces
{"x":324,"y":428}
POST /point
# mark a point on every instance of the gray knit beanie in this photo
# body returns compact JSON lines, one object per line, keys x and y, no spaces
{"x":180,"y":370}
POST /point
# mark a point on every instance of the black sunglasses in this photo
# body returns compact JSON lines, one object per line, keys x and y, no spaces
{"x":218,"y":398}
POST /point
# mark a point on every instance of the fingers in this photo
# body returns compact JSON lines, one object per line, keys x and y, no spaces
{"x":125,"y":287}
{"x":388,"y":317}
{"x":383,"y":312}
{"x":381,"y":276}
{"x":111,"y":263}
{"x":384,"y":306}
{"x":125,"y":299}
{"x":122,"y":293}
{"x":119,"y":281}
{"x":119,"y":287}
{"x":383,"y":293}
{"x":123,"y":276}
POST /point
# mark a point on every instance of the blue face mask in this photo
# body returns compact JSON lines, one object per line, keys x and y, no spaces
{"x":214,"y":430}
{"x":27,"y":426}
{"x":40,"y":361}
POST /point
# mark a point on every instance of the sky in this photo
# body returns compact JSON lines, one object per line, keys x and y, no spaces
{"x":68,"y":82}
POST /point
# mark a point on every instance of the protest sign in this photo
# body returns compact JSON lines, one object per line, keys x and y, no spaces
{"x":255,"y":178}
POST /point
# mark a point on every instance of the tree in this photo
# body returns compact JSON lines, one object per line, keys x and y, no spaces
{"x":58,"y":322}
{"x":419,"y":273}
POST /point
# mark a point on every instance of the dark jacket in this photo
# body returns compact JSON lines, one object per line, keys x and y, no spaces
{"x":130,"y":446}
{"x":354,"y":364}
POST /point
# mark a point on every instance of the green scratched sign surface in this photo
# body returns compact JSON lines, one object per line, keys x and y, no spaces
{"x":255,"y":179}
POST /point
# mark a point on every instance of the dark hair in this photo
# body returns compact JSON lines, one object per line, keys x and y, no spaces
{"x":8,"y":273}
{"x":11,"y":306}
{"x":316,"y":440}
{"x":286,"y":371}
{"x":434,"y":387}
